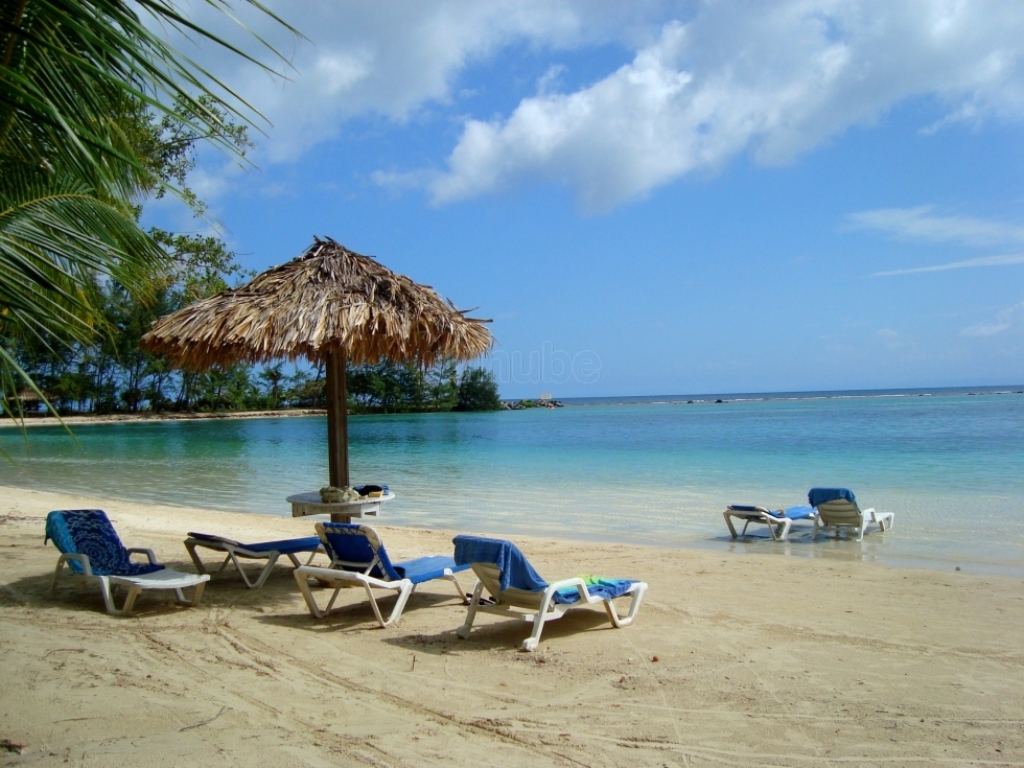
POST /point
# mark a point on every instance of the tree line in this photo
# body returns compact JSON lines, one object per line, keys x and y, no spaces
{"x":114,"y":376}
{"x":98,"y":116}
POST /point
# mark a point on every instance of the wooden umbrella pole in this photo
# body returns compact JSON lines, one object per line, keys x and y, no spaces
{"x":337,"y":419}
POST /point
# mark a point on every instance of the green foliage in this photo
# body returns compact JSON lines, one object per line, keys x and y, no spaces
{"x":478,"y":391}
{"x":77,"y":84}
{"x":388,"y":387}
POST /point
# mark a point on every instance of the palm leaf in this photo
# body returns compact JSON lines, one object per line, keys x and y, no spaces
{"x":70,"y":71}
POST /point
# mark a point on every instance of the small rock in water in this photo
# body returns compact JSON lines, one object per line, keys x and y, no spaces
{"x":958,"y":567}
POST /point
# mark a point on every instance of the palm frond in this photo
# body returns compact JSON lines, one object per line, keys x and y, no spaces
{"x":64,"y":59}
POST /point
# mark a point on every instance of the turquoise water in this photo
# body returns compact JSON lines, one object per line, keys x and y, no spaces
{"x":646,"y":470}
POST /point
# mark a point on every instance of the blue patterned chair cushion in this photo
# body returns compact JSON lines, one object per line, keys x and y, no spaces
{"x":89,"y":532}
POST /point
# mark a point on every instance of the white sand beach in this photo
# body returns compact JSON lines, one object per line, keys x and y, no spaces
{"x":734,"y":659}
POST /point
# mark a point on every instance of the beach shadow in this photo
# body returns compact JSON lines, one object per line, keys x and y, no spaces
{"x":78,"y":597}
{"x":352,"y":616}
{"x":225,"y":590}
{"x":494,"y":633}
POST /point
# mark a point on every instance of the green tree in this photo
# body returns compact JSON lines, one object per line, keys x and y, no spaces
{"x":442,"y":386}
{"x":71,"y":77}
{"x":273,"y":377}
{"x":115,"y":373}
{"x":478,"y":391}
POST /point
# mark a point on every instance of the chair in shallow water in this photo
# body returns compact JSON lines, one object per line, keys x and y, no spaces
{"x":837,"y":508}
{"x":358,"y":557}
{"x":265,"y":550}
{"x":518,"y":592}
{"x":93,"y":551}
{"x":778,"y":521}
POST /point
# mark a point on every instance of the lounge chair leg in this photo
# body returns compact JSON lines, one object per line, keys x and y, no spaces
{"x":56,"y":576}
{"x":296,"y":562}
{"x":307,"y":595}
{"x":474,"y":602}
{"x":108,"y":598}
{"x":406,"y":588}
{"x":197,"y":595}
{"x":200,"y":568}
{"x":129,"y":601}
{"x":634,"y":606}
{"x":334,"y":596}
{"x":373,"y":604}
{"x":458,"y":587}
{"x":264,"y":574}
{"x":531,"y":643}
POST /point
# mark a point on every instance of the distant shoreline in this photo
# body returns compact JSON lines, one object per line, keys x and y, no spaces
{"x":517,"y":404}
{"x":112,"y":418}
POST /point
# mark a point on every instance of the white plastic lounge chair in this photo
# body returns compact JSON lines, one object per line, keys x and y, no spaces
{"x":93,"y":552}
{"x":358,"y":557}
{"x":266,"y":550}
{"x":837,"y":507}
{"x":778,"y":521}
{"x":518,"y":592}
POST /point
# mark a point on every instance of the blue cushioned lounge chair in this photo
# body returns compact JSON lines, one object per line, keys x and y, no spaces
{"x":266,"y":550}
{"x":517,"y":591}
{"x":358,"y":557}
{"x":92,"y":550}
{"x":779,"y":521}
{"x":837,"y":508}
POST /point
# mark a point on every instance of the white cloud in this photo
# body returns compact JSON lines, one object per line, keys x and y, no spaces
{"x":985,"y":261}
{"x":549,"y":80}
{"x":708,"y":80}
{"x":1005,"y":320}
{"x":391,"y":59}
{"x":773,"y":79}
{"x":920,"y":224}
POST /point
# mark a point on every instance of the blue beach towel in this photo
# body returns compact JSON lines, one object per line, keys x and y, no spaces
{"x":89,"y":532}
{"x":818,"y":496}
{"x":517,"y":572}
{"x":347,"y":543}
{"x":802,"y":512}
{"x":598,"y":586}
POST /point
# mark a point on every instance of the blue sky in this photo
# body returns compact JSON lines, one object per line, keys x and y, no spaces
{"x":660,"y":197}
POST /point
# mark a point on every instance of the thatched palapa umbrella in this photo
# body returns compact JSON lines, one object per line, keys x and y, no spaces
{"x":329,"y":305}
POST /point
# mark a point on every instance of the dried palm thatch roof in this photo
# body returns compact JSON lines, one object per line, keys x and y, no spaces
{"x":328,"y":298}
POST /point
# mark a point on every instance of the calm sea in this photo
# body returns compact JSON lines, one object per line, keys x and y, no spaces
{"x":949,"y":463}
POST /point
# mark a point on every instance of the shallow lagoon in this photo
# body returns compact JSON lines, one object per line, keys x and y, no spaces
{"x":645,"y":470}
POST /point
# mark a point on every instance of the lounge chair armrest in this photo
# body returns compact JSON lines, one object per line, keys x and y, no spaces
{"x":82,"y":560}
{"x":870,"y":511}
{"x":142,"y":551}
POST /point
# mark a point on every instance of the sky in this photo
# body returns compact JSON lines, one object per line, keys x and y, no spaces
{"x":655,"y":197}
